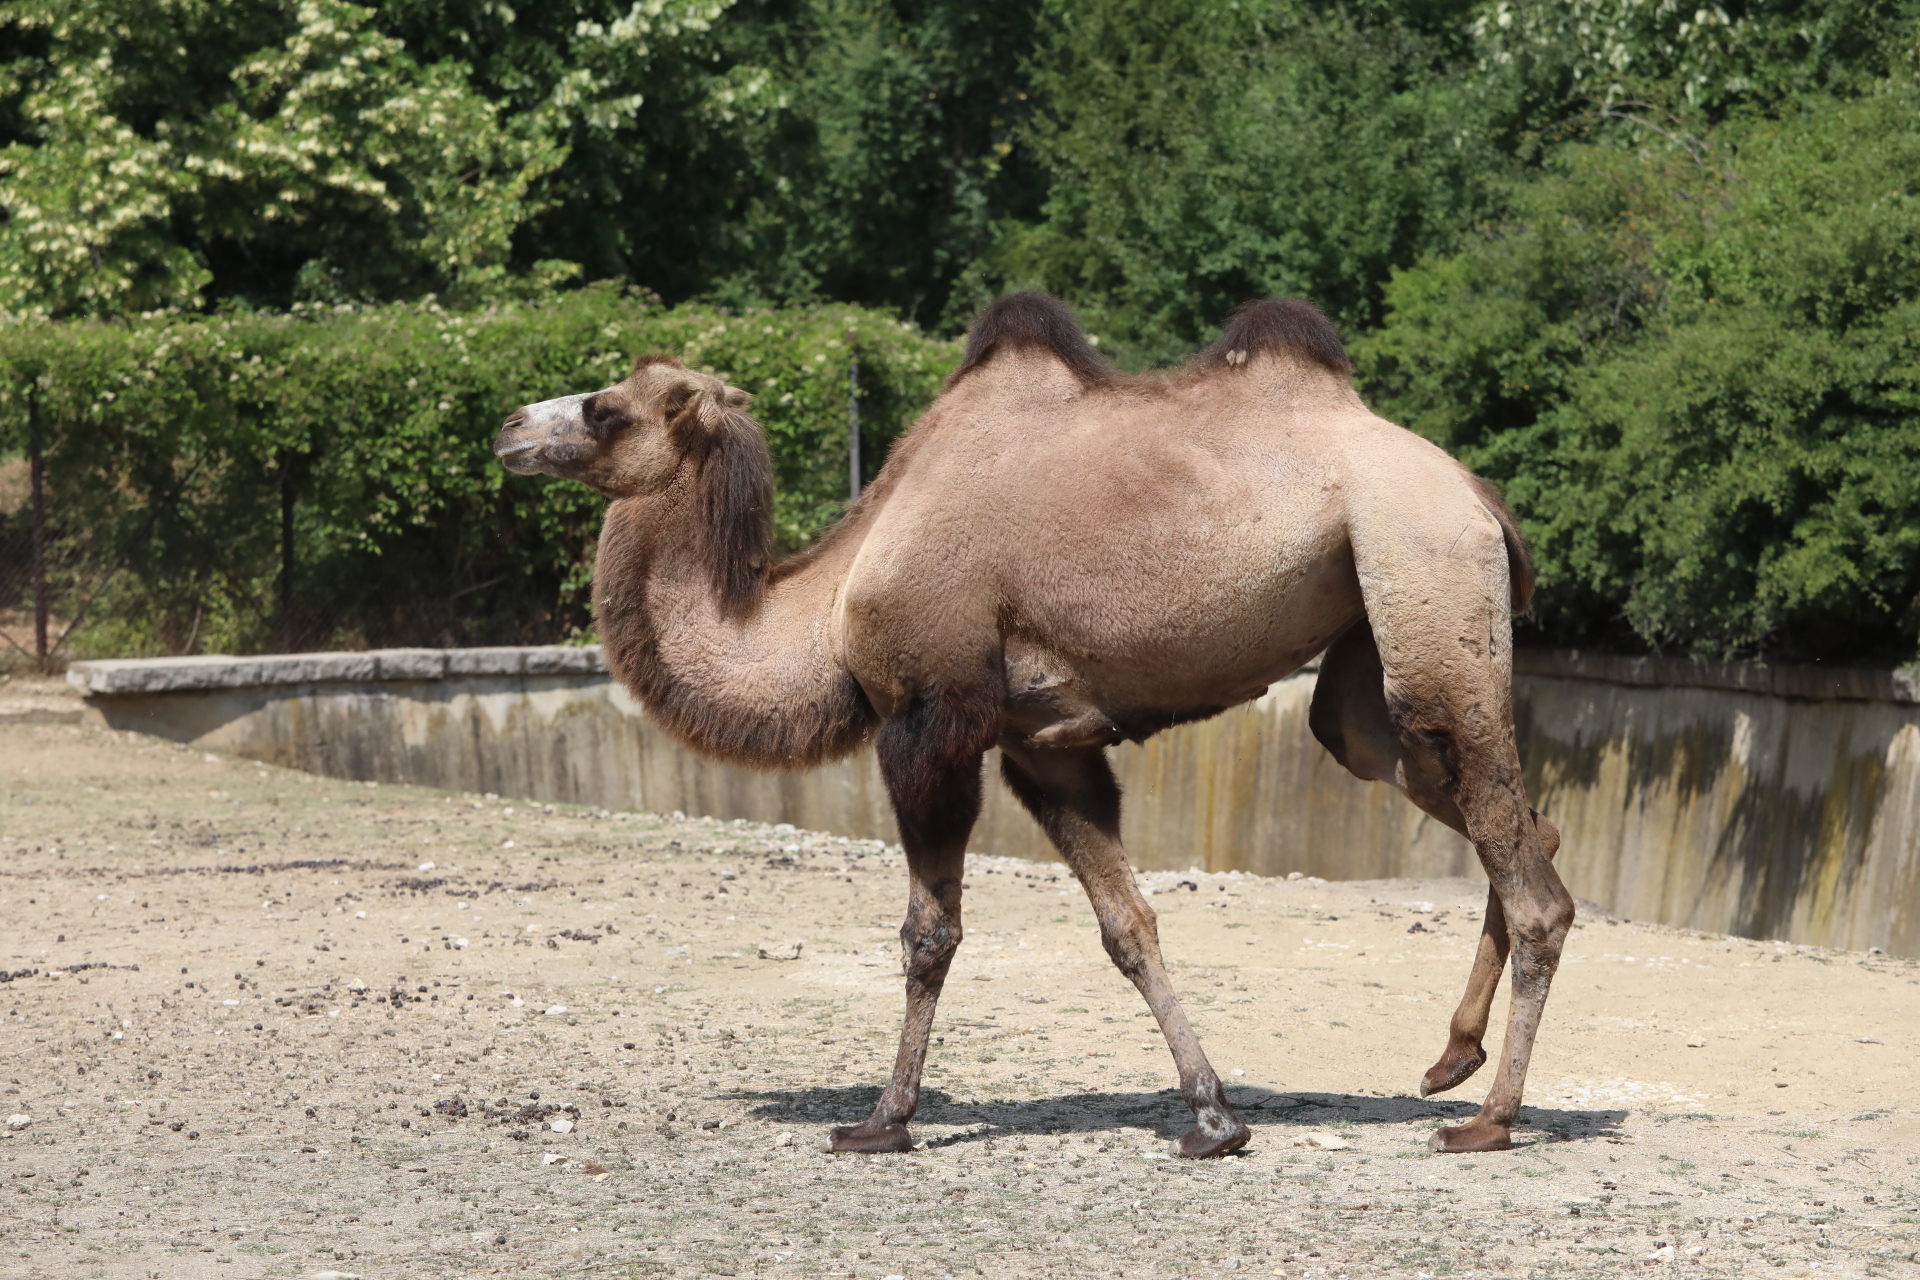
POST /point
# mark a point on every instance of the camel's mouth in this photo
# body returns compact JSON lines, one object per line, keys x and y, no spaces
{"x":520,"y":455}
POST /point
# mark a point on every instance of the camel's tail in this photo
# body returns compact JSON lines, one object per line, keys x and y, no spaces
{"x":1520,"y":570}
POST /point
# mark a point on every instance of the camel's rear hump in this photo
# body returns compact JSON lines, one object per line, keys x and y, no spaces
{"x":1276,"y":326}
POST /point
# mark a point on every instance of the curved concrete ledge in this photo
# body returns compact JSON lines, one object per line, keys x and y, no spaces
{"x":218,"y":671}
{"x":1800,"y":683}
{"x":1768,"y":802}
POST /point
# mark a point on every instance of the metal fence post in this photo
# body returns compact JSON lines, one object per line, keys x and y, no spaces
{"x":853,"y":417}
{"x":37,"y":467}
{"x":286,"y":553}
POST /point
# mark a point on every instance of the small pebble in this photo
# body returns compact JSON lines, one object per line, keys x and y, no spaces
{"x":1324,"y":1141}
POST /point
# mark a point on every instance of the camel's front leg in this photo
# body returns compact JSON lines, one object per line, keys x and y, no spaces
{"x":1076,"y":800}
{"x":934,"y":782}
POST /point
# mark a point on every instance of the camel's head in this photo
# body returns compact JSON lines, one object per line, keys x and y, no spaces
{"x":628,"y":439}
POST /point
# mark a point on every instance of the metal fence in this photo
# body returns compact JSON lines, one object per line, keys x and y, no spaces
{"x":26,"y":590}
{"x":95,"y":565}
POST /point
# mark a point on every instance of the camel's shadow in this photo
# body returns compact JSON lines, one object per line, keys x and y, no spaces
{"x":1162,"y":1111}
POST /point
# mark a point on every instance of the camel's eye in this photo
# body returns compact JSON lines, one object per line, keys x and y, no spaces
{"x":603,"y":417}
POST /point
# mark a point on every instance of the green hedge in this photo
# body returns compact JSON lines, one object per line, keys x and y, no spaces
{"x":170,"y":441}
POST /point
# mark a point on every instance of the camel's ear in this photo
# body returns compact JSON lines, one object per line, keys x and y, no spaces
{"x":694,"y":404}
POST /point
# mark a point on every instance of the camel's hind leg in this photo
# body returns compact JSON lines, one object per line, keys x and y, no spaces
{"x":1437,"y":595}
{"x":1073,"y":795}
{"x":1351,"y":720}
{"x":930,"y":760}
{"x":1466,"y":1034}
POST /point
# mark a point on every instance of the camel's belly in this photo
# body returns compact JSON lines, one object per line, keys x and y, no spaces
{"x":1181,"y":647}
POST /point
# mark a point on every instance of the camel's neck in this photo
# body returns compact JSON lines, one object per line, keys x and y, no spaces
{"x":756,"y":683}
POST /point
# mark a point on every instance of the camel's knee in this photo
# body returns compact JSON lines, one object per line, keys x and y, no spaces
{"x":1539,"y":926}
{"x":1131,"y":936}
{"x":928,"y":940}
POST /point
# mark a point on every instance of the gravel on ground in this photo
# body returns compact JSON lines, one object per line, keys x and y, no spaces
{"x":258,"y":1023}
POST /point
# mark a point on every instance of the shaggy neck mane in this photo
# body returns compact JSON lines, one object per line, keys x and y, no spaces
{"x":733,"y":511}
{"x":727,"y":660}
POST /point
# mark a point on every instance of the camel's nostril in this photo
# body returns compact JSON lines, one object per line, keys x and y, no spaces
{"x":513,"y":438}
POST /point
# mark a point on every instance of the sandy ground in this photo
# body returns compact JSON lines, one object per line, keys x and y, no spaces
{"x":263,"y":1024}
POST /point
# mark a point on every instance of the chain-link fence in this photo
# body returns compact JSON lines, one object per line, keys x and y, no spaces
{"x":26,"y":598}
{"x":186,"y":548}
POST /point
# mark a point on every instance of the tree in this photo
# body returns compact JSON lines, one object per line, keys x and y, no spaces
{"x":1203,"y":154}
{"x":158,"y":153}
{"x":1694,"y":377}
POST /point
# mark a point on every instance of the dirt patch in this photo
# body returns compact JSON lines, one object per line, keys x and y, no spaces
{"x":263,"y":1024}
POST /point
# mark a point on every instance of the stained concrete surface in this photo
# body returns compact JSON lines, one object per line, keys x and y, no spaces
{"x":1766,"y":802}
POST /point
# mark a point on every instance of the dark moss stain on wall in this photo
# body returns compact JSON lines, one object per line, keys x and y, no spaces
{"x":1689,"y":759}
{"x":1789,"y":849}
{"x":1784,"y":850}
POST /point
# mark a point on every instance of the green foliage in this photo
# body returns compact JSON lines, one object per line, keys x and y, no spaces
{"x":1695,"y":381}
{"x":172,"y":152}
{"x":301,"y":134}
{"x":1204,"y":154}
{"x":891,"y":153}
{"x":170,"y":441}
{"x":1644,"y":261}
{"x":1604,"y":55}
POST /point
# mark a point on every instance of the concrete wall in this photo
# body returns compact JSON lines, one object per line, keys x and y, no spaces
{"x":1770,"y":802}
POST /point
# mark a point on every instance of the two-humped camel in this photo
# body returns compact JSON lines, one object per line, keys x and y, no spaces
{"x":1057,"y":558}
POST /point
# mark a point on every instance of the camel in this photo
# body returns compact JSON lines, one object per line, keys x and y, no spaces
{"x":1057,"y":558}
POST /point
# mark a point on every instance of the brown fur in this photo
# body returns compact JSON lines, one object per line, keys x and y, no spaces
{"x":1055,"y":558}
{"x":1276,"y":326}
{"x":733,"y":493}
{"x":733,"y":509}
{"x":1029,"y":321}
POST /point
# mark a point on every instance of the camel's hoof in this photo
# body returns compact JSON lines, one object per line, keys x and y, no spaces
{"x":1199,"y":1143}
{"x":1475,"y":1135}
{"x":869,"y":1140}
{"x":1455,"y":1065}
